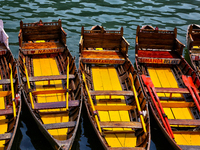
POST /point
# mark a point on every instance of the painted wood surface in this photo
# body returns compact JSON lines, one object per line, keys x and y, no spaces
{"x":106,"y":78}
{"x":163,"y":77}
{"x":47,"y":67}
{"x":3,"y":120}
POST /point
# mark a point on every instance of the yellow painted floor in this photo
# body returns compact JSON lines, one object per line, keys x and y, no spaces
{"x":47,"y":67}
{"x":163,"y":77}
{"x":106,"y":78}
{"x":3,"y":120}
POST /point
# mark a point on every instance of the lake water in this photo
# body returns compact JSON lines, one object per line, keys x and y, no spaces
{"x":111,"y":14}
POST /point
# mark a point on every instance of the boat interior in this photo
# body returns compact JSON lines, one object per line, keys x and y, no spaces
{"x":103,"y":63}
{"x":112,"y":78}
{"x":51,"y":71}
{"x":158,"y":57}
{"x":7,"y":119}
{"x":177,"y":106}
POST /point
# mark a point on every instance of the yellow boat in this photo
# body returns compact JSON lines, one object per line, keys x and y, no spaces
{"x":52,"y":88}
{"x":116,"y":105}
{"x":10,"y":105}
{"x":172,"y":85}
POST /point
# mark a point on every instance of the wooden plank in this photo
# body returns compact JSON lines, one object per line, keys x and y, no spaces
{"x":126,"y":148}
{"x":60,"y":125}
{"x":121,"y":124}
{"x":185,"y":122}
{"x":6,"y":81}
{"x":151,"y":46}
{"x":103,"y":61}
{"x":6,"y":112}
{"x":54,"y":105}
{"x":156,"y":41}
{"x":156,"y":36}
{"x":5,"y":136}
{"x":177,"y":105}
{"x":41,"y":37}
{"x":5,"y":93}
{"x":46,"y":78}
{"x":45,"y":28}
{"x":157,"y":54}
{"x":114,"y":108}
{"x":108,"y":44}
{"x":123,"y":93}
{"x":119,"y":132}
{"x":97,"y":52}
{"x":104,"y":36}
{"x":172,"y":90}
{"x":187,"y":132}
{"x":49,"y":92}
{"x":42,"y":45}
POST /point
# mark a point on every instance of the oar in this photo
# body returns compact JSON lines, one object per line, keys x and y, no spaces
{"x":91,"y":103}
{"x":137,"y":102}
{"x":29,"y":87}
{"x":190,"y":85}
{"x":160,"y":111}
{"x":12,"y":89}
{"x":67,"y":86}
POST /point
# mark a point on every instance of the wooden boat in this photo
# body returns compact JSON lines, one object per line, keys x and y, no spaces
{"x":120,"y":119}
{"x":10,"y":105}
{"x":193,"y":45}
{"x":52,"y":88}
{"x":172,"y":85}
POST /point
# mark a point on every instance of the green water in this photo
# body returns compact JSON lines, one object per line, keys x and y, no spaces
{"x":112,"y":14}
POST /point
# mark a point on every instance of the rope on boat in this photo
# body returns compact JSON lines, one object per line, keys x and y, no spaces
{"x":60,"y":148}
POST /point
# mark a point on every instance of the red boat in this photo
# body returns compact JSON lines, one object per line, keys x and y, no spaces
{"x":172,"y":85}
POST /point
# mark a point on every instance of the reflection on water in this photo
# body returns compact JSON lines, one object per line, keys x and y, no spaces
{"x":112,"y":14}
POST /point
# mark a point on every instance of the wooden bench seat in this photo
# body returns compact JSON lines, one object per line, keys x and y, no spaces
{"x":6,"y":81}
{"x":121,"y":93}
{"x":177,"y":105}
{"x":42,"y":45}
{"x":185,"y":122}
{"x":5,"y":136}
{"x":49,"y":92}
{"x":114,"y":108}
{"x":157,"y":54}
{"x":102,"y":57}
{"x":47,"y":78}
{"x":126,"y":148}
{"x":42,"y":48}
{"x":172,"y":90}
{"x":121,"y":124}
{"x":55,"y":105}
{"x":60,"y":125}
{"x":118,"y":131}
{"x":6,"y":112}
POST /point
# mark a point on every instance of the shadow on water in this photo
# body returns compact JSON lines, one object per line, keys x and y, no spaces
{"x":86,"y":138}
{"x":28,"y":135}
{"x":159,"y":141}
